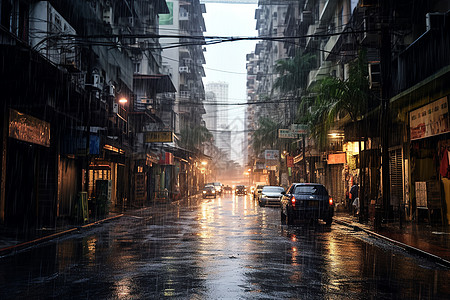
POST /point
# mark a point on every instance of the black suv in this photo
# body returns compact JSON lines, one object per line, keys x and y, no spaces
{"x":306,"y":201}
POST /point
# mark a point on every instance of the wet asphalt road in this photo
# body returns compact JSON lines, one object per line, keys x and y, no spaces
{"x":224,"y":248}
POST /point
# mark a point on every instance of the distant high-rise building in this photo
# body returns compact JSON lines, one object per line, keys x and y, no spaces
{"x":211,"y":111}
{"x":220,"y":90}
{"x":217,"y":115}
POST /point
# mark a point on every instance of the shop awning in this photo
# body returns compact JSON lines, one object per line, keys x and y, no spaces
{"x":159,"y":83}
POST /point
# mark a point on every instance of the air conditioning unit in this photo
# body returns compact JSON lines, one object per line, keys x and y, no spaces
{"x":96,"y":80}
{"x":111,"y":90}
{"x":184,"y":69}
{"x":107,"y":15}
{"x":184,"y":16}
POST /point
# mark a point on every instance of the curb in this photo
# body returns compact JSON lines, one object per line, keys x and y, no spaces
{"x":406,"y":247}
{"x":24,"y":245}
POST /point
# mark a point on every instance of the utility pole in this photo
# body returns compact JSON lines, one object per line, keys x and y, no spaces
{"x":385,"y":63}
{"x":305,"y":175}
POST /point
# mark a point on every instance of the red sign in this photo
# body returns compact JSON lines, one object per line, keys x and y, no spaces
{"x":166,"y":159}
{"x":290,"y":161}
{"x":338,"y":158}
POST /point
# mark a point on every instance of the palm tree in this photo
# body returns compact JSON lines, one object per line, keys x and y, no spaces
{"x":339,"y":98}
{"x":342,"y":98}
{"x":193,"y":138}
{"x":293,"y":74}
{"x":265,"y":137}
{"x":293,"y":78}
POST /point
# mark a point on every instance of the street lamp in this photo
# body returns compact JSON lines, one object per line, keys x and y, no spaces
{"x":123,"y":100}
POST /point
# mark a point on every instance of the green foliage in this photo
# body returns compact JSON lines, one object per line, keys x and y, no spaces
{"x":337,"y":97}
{"x":193,"y":138}
{"x":293,"y":73}
{"x":265,"y":137}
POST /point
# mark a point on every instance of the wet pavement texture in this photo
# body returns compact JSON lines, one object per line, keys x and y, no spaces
{"x":223,"y":248}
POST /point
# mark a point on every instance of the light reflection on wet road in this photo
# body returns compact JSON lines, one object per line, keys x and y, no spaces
{"x":224,"y":248}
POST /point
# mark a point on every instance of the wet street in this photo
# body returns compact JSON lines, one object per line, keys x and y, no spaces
{"x":224,"y":248}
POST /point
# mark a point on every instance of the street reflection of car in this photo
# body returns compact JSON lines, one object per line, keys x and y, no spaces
{"x":270,"y":196}
{"x":240,"y":190}
{"x":306,"y":201}
{"x":209,"y":191}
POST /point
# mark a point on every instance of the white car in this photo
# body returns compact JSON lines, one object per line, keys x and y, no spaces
{"x":270,"y":196}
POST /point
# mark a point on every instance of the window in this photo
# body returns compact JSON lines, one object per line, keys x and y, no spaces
{"x":137,"y":67}
{"x":310,"y":189}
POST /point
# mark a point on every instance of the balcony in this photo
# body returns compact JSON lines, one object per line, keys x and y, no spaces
{"x":330,"y":45}
{"x":311,"y":41}
{"x":426,"y":56}
{"x":312,"y":77}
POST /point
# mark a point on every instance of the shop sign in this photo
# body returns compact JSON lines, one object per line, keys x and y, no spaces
{"x":289,"y":161}
{"x":166,"y":158}
{"x":286,"y":134}
{"x":28,"y":129}
{"x":299,"y":128}
{"x":338,"y":158}
{"x":272,"y":154}
{"x":158,"y":137}
{"x":429,"y":120}
{"x":298,"y":158}
{"x":140,"y":187}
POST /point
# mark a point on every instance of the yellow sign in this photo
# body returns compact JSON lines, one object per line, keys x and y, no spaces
{"x":29,"y":129}
{"x":158,"y":137}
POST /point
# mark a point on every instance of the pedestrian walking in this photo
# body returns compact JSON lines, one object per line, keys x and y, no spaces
{"x":354,"y":196}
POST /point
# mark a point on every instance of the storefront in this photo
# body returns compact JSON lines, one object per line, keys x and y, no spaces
{"x":29,"y":198}
{"x":429,"y":166}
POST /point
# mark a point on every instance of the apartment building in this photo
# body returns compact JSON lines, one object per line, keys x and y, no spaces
{"x":89,"y":110}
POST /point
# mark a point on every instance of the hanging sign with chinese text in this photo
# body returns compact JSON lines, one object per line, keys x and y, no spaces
{"x":158,"y":137}
{"x":28,"y":129}
{"x":429,"y":120}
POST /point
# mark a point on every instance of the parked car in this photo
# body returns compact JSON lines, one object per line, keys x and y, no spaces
{"x":306,"y":201}
{"x":270,"y":195}
{"x":209,"y":191}
{"x":241,"y":190}
{"x":257,"y":192}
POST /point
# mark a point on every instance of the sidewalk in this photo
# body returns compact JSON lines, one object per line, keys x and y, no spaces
{"x":14,"y":240}
{"x":428,"y":241}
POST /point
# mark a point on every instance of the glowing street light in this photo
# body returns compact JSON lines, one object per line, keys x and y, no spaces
{"x":123,"y":100}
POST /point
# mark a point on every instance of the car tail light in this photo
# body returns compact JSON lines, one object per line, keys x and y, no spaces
{"x":293,"y":200}
{"x":330,"y":200}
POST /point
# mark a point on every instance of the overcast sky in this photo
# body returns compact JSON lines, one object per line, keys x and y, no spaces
{"x":226,"y":62}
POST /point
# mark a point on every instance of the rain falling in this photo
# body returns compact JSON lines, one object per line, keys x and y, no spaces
{"x":225,"y":149}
